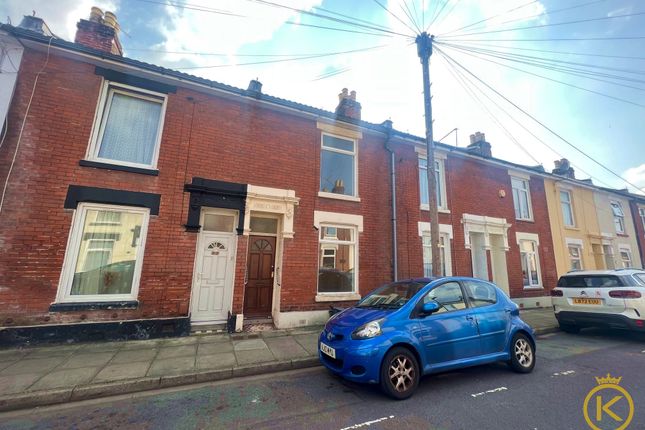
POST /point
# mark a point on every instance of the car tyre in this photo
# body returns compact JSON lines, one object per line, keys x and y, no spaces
{"x":399,"y":373}
{"x":522,"y":354}
{"x":570,"y":328}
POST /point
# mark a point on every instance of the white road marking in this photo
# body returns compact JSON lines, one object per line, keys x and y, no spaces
{"x":368,"y":423}
{"x":565,"y":373}
{"x":494,"y":390}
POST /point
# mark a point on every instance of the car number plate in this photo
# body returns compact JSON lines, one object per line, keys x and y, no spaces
{"x":585,"y":301}
{"x":328,"y":350}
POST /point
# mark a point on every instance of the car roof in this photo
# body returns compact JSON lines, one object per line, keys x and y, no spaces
{"x":604,"y":272}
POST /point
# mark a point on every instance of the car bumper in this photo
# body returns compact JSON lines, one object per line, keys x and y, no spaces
{"x":356,"y":360}
{"x":599,"y":320}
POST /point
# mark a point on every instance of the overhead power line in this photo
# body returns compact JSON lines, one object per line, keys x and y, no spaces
{"x":328,"y":54}
{"x":555,"y":80}
{"x":539,"y":122}
{"x":394,"y":16}
{"x":454,"y":5}
{"x":545,"y":13}
{"x":554,"y":39}
{"x":180,"y":5}
{"x":529,"y":27}
{"x":492,"y":17}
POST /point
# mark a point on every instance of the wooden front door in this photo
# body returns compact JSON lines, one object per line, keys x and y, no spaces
{"x":259,"y":288}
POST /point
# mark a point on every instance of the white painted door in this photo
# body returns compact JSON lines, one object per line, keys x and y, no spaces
{"x":213,"y":279}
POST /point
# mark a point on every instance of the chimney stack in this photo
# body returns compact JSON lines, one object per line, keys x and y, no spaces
{"x":563,"y":168}
{"x":100,"y":31}
{"x":34,"y":23}
{"x":348,"y":107}
{"x":479,"y":146}
{"x":255,"y":88}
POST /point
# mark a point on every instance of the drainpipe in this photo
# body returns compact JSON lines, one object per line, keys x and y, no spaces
{"x":395,"y":262}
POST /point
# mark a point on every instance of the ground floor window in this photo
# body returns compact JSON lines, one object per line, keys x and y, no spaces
{"x":626,"y":257}
{"x":103,"y":259}
{"x":444,"y":247}
{"x":575,"y":257}
{"x":530,"y":263}
{"x":337,"y":259}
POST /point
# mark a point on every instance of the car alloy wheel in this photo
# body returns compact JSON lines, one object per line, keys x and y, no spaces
{"x":399,"y":373}
{"x":522,"y":354}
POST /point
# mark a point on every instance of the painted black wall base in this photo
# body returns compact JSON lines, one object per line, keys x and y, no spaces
{"x":95,"y":332}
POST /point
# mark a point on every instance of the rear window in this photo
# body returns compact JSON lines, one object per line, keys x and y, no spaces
{"x":590,"y":281}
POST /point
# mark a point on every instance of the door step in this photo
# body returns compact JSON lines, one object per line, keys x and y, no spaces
{"x":207,"y":329}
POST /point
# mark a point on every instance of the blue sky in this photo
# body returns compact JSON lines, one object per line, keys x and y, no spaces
{"x":387,"y":77}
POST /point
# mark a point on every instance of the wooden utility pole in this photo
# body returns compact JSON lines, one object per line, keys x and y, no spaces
{"x":424,"y":49}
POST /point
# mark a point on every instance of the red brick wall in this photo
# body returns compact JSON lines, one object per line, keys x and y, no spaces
{"x":640,"y":231}
{"x":472,"y":187}
{"x":236,"y":141}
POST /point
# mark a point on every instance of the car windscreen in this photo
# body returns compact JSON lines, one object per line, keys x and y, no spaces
{"x":590,"y":281}
{"x":391,"y":296}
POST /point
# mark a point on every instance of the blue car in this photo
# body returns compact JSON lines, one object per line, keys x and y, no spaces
{"x":419,"y":326}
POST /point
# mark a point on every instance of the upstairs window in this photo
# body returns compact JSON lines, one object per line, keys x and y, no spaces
{"x":641,"y":211}
{"x":521,"y":199}
{"x":619,"y":217}
{"x":338,"y":166}
{"x":423,"y":183}
{"x":128,"y":125}
{"x":567,"y":208}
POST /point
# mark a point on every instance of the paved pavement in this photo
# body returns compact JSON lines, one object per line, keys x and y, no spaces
{"x":485,"y":397}
{"x":36,"y":376}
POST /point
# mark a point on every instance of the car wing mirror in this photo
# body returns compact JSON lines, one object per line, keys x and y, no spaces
{"x":430,"y":308}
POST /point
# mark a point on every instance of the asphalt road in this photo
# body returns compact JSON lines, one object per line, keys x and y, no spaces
{"x":486,"y":397}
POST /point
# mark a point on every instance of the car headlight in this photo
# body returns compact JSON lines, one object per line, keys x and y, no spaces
{"x":368,"y":331}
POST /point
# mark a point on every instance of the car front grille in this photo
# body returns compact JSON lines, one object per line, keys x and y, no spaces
{"x":333,"y":362}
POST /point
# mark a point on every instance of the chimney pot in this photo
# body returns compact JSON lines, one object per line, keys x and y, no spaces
{"x":99,"y":32}
{"x":96,"y":14}
{"x":479,"y":146}
{"x":348,"y":107}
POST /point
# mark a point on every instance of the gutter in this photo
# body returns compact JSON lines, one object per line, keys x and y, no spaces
{"x":395,"y":261}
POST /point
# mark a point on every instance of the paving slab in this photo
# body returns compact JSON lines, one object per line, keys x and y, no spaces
{"x":37,"y":365}
{"x":100,"y":347}
{"x":88,"y":359}
{"x":246,"y":357}
{"x":214,"y":348}
{"x":118,"y":372}
{"x":11,"y":384}
{"x":11,"y":355}
{"x":177,"y":351}
{"x":172,"y":366}
{"x":216,"y":361}
{"x":309,"y":342}
{"x":186,"y":340}
{"x":285,"y":348}
{"x":134,"y":355}
{"x":65,"y":378}
{"x":249,"y":345}
{"x":51,"y":351}
{"x":214,"y":338}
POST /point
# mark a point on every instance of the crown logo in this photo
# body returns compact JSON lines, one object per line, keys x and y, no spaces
{"x":608,"y":380}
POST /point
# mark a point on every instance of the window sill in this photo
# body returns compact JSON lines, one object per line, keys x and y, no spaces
{"x":568,"y":227}
{"x":338,"y":196}
{"x":119,"y":167}
{"x":340,"y":297}
{"x":91,"y":306}
{"x":525,"y":220}
{"x":622,"y":235}
{"x":533,"y":288}
{"x":440,"y":210}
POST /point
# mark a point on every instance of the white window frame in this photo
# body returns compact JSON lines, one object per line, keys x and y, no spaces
{"x":445,"y":231}
{"x":354,"y":154}
{"x":440,"y":171}
{"x":535,"y":239}
{"x":526,"y":191}
{"x":445,"y":246}
{"x":102,"y":113}
{"x":619,"y":216}
{"x":627,"y":250}
{"x":641,"y":212}
{"x":571,"y":259}
{"x":74,"y":247}
{"x":329,"y":243}
{"x":570,"y":203}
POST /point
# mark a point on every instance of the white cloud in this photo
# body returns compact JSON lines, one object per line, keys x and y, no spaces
{"x":636,"y":175}
{"x":61,"y":15}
